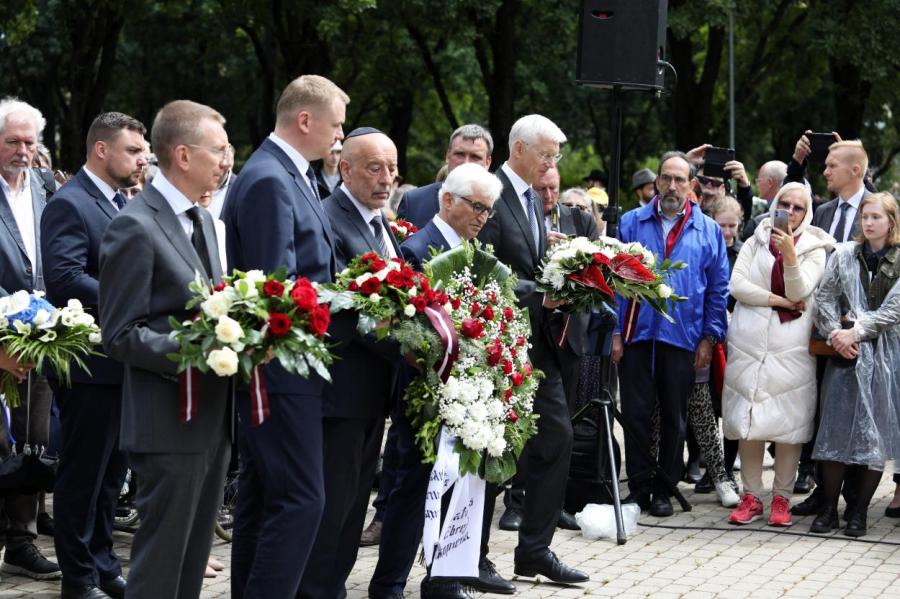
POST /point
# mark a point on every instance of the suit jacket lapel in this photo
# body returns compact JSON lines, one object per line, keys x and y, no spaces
{"x":38,"y":201}
{"x":105,"y":205}
{"x":354,"y":217}
{"x":515,"y":206}
{"x":435,"y":235}
{"x":9,"y":219}
{"x":171,"y":227}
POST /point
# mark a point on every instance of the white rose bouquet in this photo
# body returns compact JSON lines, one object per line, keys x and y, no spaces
{"x":36,"y":332}
{"x":588,"y":274}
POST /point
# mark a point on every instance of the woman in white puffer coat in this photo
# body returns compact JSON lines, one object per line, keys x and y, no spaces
{"x":770,"y":379}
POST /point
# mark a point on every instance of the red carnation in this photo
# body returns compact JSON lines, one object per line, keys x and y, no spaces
{"x":279,"y":324}
{"x":508,"y":394}
{"x":219,"y":287}
{"x":513,"y":352}
{"x":495,"y":353}
{"x":513,"y":416}
{"x":319,"y":320}
{"x":487,"y":313}
{"x":353,"y":286}
{"x":508,"y":313}
{"x":517,"y":378}
{"x":370,"y":286}
{"x":507,"y":367}
{"x":521,"y":341}
{"x":273,"y":288}
{"x":471,"y":328}
{"x":305,"y":297}
{"x":475,"y":309}
{"x":455,"y":303}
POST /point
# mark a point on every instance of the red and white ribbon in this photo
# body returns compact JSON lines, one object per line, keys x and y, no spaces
{"x":442,"y":323}
{"x":188,"y":394}
{"x":259,"y":397}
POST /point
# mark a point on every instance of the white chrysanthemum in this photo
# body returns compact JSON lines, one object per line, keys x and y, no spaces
{"x":74,"y":304}
{"x":649,"y":258}
{"x":215,"y":306}
{"x":554,"y":275}
{"x":583,"y":244}
{"x":496,"y":446}
{"x":224,"y":362}
{"x":228,"y":330}
{"x":256,"y":276}
{"x":454,"y":414}
{"x":478,"y":412}
{"x":610,"y":241}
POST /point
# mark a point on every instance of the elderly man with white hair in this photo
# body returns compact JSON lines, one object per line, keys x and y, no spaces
{"x":22,"y":200}
{"x":520,"y":240}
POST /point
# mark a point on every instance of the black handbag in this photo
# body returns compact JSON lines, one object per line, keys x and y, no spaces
{"x":30,"y":470}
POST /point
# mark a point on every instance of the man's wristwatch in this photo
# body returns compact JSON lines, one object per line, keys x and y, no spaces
{"x":711,"y":338}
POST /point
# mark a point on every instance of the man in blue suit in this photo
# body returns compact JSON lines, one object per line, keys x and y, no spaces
{"x":22,"y":200}
{"x":467,"y":198}
{"x":469,"y":143}
{"x":273,"y":218}
{"x":91,"y":468}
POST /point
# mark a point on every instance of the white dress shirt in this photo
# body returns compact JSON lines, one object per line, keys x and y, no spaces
{"x":108,"y":192}
{"x":367,"y":215}
{"x":855,"y":200}
{"x":296,"y":157}
{"x":22,"y":208}
{"x":450,"y":235}
{"x":177,"y":200}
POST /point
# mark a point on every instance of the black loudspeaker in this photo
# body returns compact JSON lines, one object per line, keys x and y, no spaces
{"x":621,"y":43}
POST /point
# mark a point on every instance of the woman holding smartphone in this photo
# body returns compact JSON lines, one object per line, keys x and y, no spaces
{"x":859,"y":313}
{"x":770,"y":379}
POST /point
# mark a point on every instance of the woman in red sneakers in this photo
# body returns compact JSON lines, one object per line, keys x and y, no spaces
{"x":859,"y":313}
{"x":770,"y":380}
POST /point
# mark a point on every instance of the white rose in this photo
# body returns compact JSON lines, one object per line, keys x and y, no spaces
{"x":84,"y":319}
{"x":216,"y":305}
{"x":74,"y":304}
{"x":375,"y":298}
{"x":95,"y":338}
{"x":413,"y":292}
{"x":224,"y":362}
{"x":246,"y":288}
{"x":40,"y":317}
{"x":228,"y":330}
{"x":663,"y":291}
{"x":409,"y":310}
{"x":256,"y":276}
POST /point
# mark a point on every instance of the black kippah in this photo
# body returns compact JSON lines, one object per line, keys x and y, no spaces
{"x":360,"y":131}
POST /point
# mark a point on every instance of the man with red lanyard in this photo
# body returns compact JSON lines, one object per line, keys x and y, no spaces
{"x":657,"y":358}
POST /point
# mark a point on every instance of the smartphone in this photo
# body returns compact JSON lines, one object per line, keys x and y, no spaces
{"x":780,"y":219}
{"x":818,"y":146}
{"x":714,"y":160}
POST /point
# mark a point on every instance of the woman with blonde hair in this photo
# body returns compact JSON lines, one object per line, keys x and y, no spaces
{"x":859,"y":313}
{"x":770,"y":380}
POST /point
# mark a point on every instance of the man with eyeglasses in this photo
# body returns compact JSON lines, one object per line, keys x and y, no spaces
{"x":519,"y":238}
{"x":657,"y":358}
{"x":22,"y":201}
{"x":357,"y":401}
{"x":468,"y":144}
{"x":91,"y":467}
{"x":221,"y":190}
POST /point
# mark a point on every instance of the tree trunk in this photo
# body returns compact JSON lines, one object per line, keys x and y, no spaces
{"x":400,"y":114}
{"x":693,"y":97}
{"x":851,"y":92}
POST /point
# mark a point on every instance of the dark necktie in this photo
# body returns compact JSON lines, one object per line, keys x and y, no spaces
{"x":379,"y":237}
{"x":532,"y":219}
{"x":198,"y":240}
{"x":313,"y":182}
{"x":119,"y":200}
{"x":842,"y":221}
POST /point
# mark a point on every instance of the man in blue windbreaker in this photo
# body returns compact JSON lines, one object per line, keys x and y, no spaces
{"x":657,"y":358}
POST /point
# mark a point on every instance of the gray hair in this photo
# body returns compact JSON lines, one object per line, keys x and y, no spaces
{"x":532,"y":127}
{"x":678,"y":154}
{"x":470,"y":178}
{"x":576,"y":191}
{"x":774,"y":169}
{"x":472,"y":132}
{"x":9,"y":106}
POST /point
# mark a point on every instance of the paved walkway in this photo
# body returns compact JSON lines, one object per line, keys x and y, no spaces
{"x":694,"y":555}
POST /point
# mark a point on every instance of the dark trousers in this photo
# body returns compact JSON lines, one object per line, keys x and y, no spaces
{"x":90,"y":476}
{"x":351,"y":453}
{"x":650,"y":373}
{"x":178,"y":497}
{"x":389,"y":463}
{"x":280,"y":496}
{"x":17,"y":525}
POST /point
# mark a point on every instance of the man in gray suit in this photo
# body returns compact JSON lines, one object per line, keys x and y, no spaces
{"x":22,"y":200}
{"x":149,"y":254}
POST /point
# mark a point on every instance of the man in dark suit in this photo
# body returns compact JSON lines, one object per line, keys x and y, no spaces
{"x":469,"y":143}
{"x":356,"y":403}
{"x":467,"y":198}
{"x":149,"y":254}
{"x":273,"y":218}
{"x":845,"y":170}
{"x":520,"y":240}
{"x":91,"y":467}
{"x":22,"y":200}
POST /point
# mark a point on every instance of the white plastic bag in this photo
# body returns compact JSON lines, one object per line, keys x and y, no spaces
{"x":599,"y":521}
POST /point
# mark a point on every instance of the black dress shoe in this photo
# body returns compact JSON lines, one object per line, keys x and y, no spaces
{"x":805,"y":483}
{"x":549,"y":566}
{"x":705,"y":485}
{"x":892,"y":512}
{"x":856,"y":524}
{"x":826,"y":521}
{"x":45,"y":526}
{"x":809,"y":506}
{"x":567,"y":521}
{"x":442,"y":588}
{"x":114,"y":587}
{"x":661,"y":507}
{"x":489,"y":581}
{"x":88,"y":592}
{"x":642,"y":500}
{"x":510,"y":520}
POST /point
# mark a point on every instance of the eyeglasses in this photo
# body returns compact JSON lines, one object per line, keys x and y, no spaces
{"x":477,"y":207}
{"x":222,"y":153}
{"x":581,"y":207}
{"x":791,"y":207}
{"x":667,"y":179}
{"x":710,"y":182}
{"x":550,"y":159}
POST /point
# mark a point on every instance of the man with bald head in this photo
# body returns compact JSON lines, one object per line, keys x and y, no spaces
{"x":356,"y":402}
{"x":768,"y":182}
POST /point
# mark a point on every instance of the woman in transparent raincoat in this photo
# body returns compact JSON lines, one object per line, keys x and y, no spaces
{"x":859,"y":313}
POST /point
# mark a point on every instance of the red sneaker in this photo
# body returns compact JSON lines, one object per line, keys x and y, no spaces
{"x":780,"y":514}
{"x":749,"y":510}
